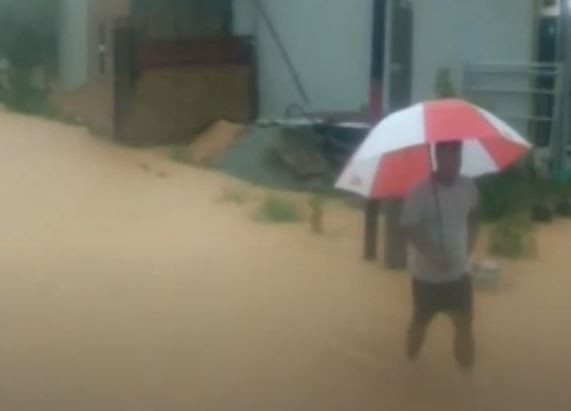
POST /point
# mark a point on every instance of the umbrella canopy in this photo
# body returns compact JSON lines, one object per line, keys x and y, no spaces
{"x":397,"y":154}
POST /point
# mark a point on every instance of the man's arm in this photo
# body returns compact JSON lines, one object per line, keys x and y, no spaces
{"x":473,"y":229}
{"x":474,"y":220}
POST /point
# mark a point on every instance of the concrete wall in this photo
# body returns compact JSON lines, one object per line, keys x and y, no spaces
{"x":245,"y":17}
{"x":85,"y":94}
{"x":330,"y":44}
{"x":449,"y":33}
{"x":73,"y":50}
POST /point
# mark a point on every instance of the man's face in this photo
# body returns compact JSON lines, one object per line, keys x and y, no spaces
{"x":449,"y":160}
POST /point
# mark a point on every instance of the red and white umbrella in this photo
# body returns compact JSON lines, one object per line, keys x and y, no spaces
{"x":397,"y":154}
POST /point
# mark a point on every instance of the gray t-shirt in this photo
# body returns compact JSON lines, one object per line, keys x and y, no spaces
{"x":447,"y":229}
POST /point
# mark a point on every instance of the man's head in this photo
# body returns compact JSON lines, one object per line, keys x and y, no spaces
{"x":448,"y":161}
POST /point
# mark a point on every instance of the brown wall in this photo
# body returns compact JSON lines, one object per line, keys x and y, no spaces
{"x":172,"y":100}
{"x":172,"y":105}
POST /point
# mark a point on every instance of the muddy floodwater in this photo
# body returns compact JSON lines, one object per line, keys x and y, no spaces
{"x":128,"y":283}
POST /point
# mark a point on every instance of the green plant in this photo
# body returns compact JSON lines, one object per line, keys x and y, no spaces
{"x":516,"y":192}
{"x":235,"y":196}
{"x":513,"y":237}
{"x":29,"y":49}
{"x":504,"y":194}
{"x":317,"y":207}
{"x":278,"y":210}
{"x":549,"y":192}
{"x":177,"y":154}
{"x":24,"y":97}
{"x":444,"y":86}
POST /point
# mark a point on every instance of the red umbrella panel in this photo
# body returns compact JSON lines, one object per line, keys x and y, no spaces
{"x":396,"y":156}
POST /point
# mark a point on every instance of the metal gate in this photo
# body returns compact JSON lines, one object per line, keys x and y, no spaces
{"x":524,"y":95}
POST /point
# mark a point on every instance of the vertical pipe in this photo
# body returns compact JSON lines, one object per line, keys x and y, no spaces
{"x":566,"y":91}
{"x":395,"y":243}
{"x":387,"y":71}
{"x":373,"y":207}
{"x":560,"y":135}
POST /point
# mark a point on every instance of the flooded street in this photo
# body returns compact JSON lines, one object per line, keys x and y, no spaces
{"x":127,"y":285}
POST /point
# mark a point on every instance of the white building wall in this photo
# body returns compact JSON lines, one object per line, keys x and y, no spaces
{"x":450,"y":33}
{"x":329,"y":42}
{"x":73,"y":43}
{"x":245,"y":17}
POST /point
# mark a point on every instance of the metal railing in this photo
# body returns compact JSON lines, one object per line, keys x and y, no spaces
{"x":524,"y":95}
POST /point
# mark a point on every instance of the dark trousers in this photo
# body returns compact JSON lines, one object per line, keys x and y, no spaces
{"x":454,"y":299}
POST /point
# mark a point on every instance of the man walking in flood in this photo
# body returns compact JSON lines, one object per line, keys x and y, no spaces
{"x":440,"y":219}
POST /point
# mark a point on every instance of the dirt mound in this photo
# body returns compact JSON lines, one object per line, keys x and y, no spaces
{"x":212,"y":144}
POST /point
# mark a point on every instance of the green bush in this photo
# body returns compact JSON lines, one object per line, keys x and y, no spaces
{"x":512,"y":192}
{"x":504,"y":194}
{"x":278,"y":210}
{"x":24,"y":97}
{"x":29,"y":102}
{"x":513,"y":237}
{"x":550,"y":192}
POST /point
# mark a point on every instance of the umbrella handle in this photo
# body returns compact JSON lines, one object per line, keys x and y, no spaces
{"x":436,"y":200}
{"x":438,"y":215}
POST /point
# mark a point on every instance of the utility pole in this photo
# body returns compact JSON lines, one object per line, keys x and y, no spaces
{"x":562,"y":118}
{"x":395,"y":257}
{"x":394,"y":244}
{"x":380,"y":74}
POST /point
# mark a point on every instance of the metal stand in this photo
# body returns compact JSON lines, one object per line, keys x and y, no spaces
{"x":395,"y":241}
{"x":372,"y":210}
